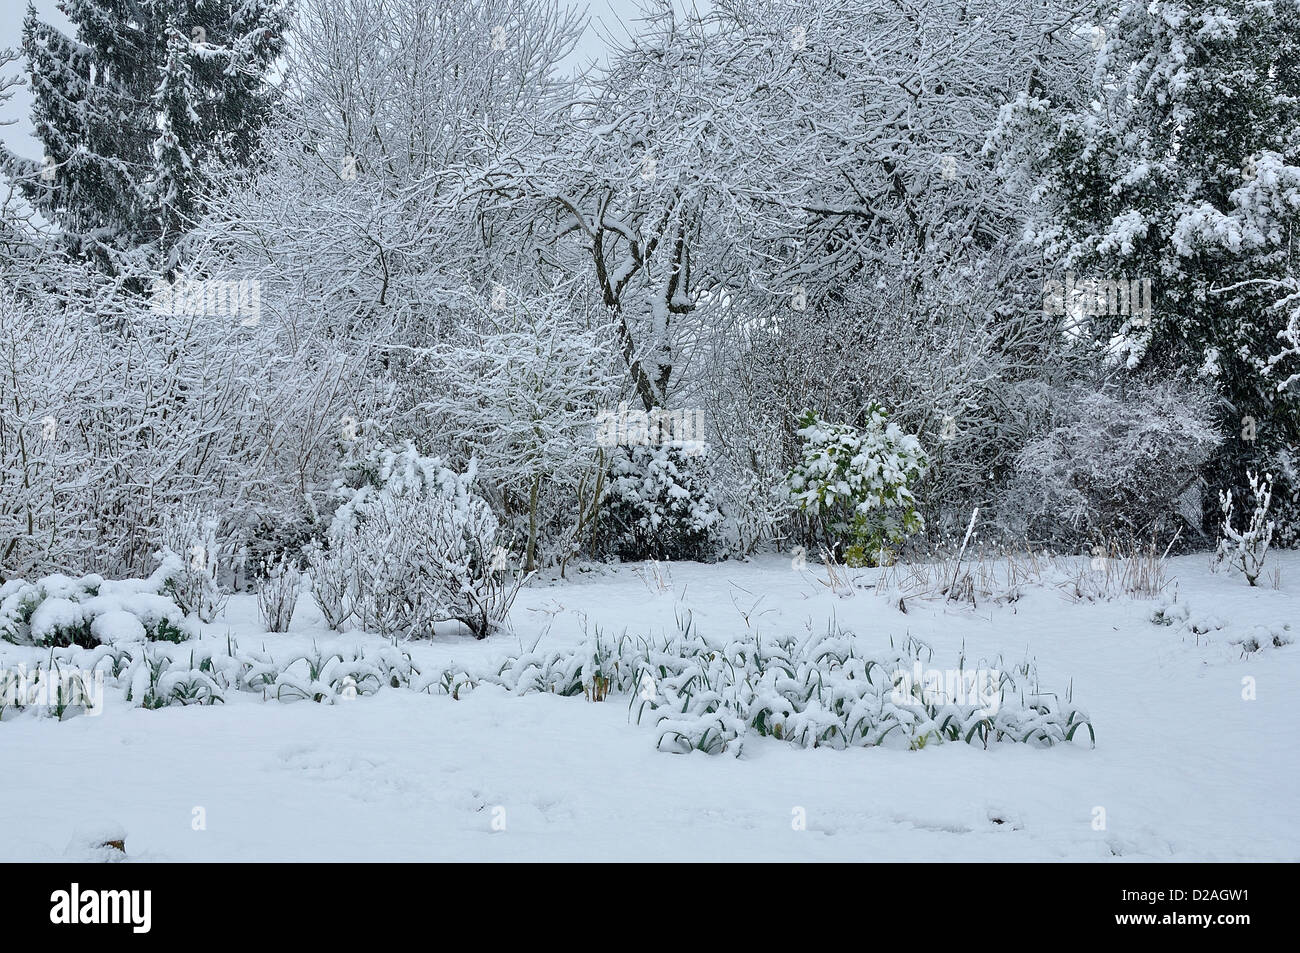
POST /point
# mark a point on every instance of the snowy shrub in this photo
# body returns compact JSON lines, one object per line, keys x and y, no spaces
{"x":755,"y":507}
{"x":60,"y":611}
{"x":277,"y":596}
{"x":196,"y":585}
{"x":1253,"y":638}
{"x":1245,"y":550}
{"x":419,"y":546}
{"x":1112,"y":464}
{"x":517,"y":389}
{"x":102,"y":441}
{"x":945,"y":344}
{"x":1260,"y":637}
{"x":658,"y":504}
{"x":858,"y":484}
{"x":333,"y":582}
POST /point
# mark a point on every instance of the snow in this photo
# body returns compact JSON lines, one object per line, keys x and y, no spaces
{"x":1184,"y":767}
{"x":55,"y":614}
{"x":116,"y":625}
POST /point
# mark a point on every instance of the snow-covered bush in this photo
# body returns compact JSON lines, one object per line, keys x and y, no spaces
{"x":418,"y":545}
{"x":755,"y":508}
{"x":946,"y":345}
{"x":1112,"y":464}
{"x":658,"y":504}
{"x":1245,"y":550}
{"x":118,"y":417}
{"x":858,"y":484}
{"x":277,"y":596}
{"x":517,"y":390}
{"x":196,"y":586}
{"x":332,"y":580}
{"x":60,"y":611}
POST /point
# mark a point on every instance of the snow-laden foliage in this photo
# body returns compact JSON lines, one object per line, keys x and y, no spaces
{"x":949,"y":353}
{"x":1245,"y":549}
{"x":59,"y":611}
{"x":137,"y":108}
{"x":730,"y":161}
{"x":1182,"y":169}
{"x":823,"y":691}
{"x":410,"y":545}
{"x":858,"y":483}
{"x":118,"y":416}
{"x":196,"y":586}
{"x":1112,"y":463}
{"x":277,"y":596}
{"x":518,"y":388}
{"x":830,"y":690}
{"x":458,"y":241}
{"x":658,"y":504}
{"x":155,"y":675}
{"x":1204,"y":626}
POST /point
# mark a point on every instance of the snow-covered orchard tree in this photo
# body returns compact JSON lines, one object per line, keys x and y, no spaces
{"x":136,"y":106}
{"x":767,"y":150}
{"x":518,"y":387}
{"x":1183,"y":170}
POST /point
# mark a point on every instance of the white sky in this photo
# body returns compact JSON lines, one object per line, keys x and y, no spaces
{"x":606,"y":18}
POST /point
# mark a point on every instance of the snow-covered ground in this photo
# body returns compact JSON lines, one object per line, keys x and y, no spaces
{"x":1184,"y":767}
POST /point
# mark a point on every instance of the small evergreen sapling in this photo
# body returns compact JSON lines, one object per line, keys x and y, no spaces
{"x":859,"y":483}
{"x":659,"y":503}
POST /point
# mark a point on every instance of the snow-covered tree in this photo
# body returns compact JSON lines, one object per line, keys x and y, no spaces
{"x":753,"y":156}
{"x":1184,"y":170}
{"x":519,"y":389}
{"x":1245,"y":549}
{"x":135,"y":107}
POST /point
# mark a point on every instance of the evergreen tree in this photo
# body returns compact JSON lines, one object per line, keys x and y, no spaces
{"x":1184,"y":170}
{"x":135,"y":109}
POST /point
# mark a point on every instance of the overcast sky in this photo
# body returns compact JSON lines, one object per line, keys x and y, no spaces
{"x":607,"y":17}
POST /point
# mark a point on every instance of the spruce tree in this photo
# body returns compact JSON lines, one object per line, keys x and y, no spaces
{"x":1185,"y":170}
{"x":137,"y":108}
